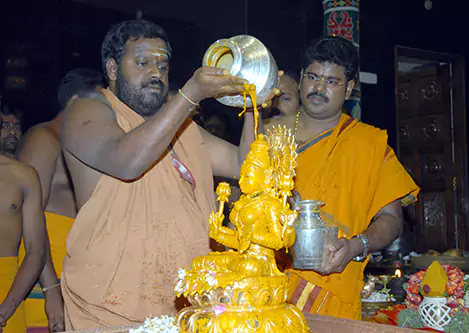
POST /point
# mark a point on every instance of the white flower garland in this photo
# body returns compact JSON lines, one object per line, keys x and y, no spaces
{"x":378,"y":296}
{"x":182,"y":284}
{"x":163,"y":324}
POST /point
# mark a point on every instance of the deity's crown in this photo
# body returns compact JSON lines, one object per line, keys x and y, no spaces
{"x":259,"y":153}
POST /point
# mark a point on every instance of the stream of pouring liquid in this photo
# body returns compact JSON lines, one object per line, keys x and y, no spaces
{"x":250,"y":89}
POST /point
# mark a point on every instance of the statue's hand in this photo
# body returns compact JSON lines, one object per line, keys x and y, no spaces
{"x":289,"y":218}
{"x":215,"y":222}
{"x":223,"y":192}
{"x":289,"y":237}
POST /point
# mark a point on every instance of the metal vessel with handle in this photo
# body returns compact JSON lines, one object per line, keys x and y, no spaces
{"x":245,"y":57}
{"x":313,"y":234}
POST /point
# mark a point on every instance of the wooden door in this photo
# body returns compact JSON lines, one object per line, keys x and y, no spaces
{"x":426,"y":149}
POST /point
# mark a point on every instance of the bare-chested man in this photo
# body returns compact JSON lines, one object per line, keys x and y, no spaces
{"x":40,"y":148}
{"x":21,"y":215}
{"x":143,"y":178}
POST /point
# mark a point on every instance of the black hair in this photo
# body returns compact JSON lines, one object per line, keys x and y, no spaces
{"x":294,"y":75}
{"x":119,"y":34}
{"x":334,"y":50}
{"x":8,"y":109}
{"x":79,"y":82}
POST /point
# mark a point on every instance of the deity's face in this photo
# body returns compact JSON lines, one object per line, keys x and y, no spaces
{"x":251,"y":178}
{"x":141,"y":79}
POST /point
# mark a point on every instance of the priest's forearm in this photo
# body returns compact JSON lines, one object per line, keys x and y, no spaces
{"x":163,"y":127}
{"x":48,"y":278}
{"x":386,"y":227}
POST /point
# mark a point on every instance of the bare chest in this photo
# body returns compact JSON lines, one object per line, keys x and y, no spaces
{"x":304,"y":135}
{"x":11,"y":196}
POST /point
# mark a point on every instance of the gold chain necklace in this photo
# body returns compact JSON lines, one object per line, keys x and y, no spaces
{"x":297,"y":121}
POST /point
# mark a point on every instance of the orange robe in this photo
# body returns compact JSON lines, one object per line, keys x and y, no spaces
{"x":130,"y":238}
{"x":352,"y":169}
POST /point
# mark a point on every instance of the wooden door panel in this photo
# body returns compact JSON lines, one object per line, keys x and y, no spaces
{"x":406,"y":99}
{"x":434,"y":131}
{"x":407,"y":136}
{"x":408,"y":161}
{"x":434,"y":214}
{"x":432,"y":90}
{"x":433,"y":168}
{"x":425,"y":148}
{"x":431,"y":98}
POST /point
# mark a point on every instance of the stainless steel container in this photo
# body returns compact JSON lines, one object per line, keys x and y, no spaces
{"x":245,"y":57}
{"x":313,"y":235}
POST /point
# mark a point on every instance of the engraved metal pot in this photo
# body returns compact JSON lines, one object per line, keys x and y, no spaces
{"x":313,"y":234}
{"x":245,"y":57}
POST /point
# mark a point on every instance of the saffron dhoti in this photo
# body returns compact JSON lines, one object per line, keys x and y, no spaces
{"x":58,"y":227}
{"x":8,"y":269}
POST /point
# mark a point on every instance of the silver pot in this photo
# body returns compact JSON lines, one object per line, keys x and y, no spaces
{"x":245,"y":57}
{"x":313,"y":235}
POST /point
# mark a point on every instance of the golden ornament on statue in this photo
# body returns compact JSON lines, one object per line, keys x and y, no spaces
{"x":242,"y":290}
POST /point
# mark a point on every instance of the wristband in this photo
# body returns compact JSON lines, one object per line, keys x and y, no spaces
{"x":188,"y":99}
{"x":362,"y":256}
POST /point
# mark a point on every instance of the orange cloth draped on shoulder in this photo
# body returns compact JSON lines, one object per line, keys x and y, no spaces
{"x":355,"y":173}
{"x":130,"y":238}
{"x":8,"y":269}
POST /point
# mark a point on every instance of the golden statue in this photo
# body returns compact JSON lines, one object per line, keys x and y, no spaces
{"x":242,"y":290}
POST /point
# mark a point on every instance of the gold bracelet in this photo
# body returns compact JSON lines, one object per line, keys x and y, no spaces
{"x":188,"y":99}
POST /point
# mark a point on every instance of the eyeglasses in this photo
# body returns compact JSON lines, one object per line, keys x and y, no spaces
{"x":329,"y":82}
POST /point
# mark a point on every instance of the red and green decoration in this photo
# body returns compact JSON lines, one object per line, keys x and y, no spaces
{"x":341,"y":18}
{"x":456,"y":292}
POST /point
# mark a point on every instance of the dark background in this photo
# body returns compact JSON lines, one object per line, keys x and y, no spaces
{"x":56,"y":36}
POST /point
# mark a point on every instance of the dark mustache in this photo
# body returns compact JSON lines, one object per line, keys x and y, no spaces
{"x":11,"y":138}
{"x":318,"y":94}
{"x":154,"y":82}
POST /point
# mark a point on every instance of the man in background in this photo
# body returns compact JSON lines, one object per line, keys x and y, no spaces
{"x":286,"y":107}
{"x":11,"y":128}
{"x":40,"y":148}
{"x":21,"y":216}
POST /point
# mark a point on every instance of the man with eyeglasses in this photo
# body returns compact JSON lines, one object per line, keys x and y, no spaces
{"x":349,"y":166}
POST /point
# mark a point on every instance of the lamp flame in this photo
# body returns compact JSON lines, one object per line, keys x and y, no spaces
{"x":398,"y":273}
